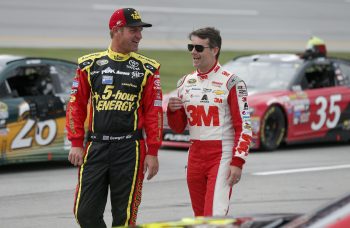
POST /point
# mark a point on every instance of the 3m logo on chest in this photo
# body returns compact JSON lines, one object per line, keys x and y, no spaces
{"x":199,"y":116}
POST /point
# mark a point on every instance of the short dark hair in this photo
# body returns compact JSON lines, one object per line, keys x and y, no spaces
{"x":210,"y":33}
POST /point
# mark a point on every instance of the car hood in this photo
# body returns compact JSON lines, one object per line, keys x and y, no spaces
{"x":249,"y":221}
{"x":257,"y":98}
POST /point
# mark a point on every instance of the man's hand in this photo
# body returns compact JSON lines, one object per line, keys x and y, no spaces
{"x":174,"y":104}
{"x":76,"y":156}
{"x":234,"y":175}
{"x":151,"y":164}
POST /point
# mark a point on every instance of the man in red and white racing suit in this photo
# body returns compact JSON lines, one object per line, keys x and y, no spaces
{"x":213,"y":102}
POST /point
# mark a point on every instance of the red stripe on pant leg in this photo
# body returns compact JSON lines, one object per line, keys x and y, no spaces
{"x":229,"y":197}
{"x":136,"y":201}
{"x":196,"y":180}
{"x":196,"y":185}
{"x":212,"y":152}
{"x":209,"y":196}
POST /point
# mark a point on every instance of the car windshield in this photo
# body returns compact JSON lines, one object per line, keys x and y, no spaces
{"x":36,"y":77}
{"x":264,"y":75}
{"x":65,"y":73}
{"x":2,"y":64}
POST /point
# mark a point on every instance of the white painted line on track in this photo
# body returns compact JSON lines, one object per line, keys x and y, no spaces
{"x":179,"y":10}
{"x":313,"y":169}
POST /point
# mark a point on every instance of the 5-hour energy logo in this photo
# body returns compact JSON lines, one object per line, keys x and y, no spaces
{"x":122,"y":101}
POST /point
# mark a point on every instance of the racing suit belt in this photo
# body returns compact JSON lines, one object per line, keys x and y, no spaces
{"x":101,"y":137}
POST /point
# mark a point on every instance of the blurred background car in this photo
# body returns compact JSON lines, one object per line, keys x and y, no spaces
{"x":291,"y":100}
{"x":33,"y":96}
{"x":334,"y":214}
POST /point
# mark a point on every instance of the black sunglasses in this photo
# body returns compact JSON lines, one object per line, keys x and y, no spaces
{"x":197,"y":47}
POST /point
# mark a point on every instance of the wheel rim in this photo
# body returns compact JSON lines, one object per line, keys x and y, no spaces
{"x":273,"y":129}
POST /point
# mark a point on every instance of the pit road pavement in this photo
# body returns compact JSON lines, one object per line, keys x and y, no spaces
{"x":296,"y":179}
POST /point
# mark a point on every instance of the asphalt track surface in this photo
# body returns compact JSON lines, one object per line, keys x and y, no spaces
{"x":295,"y":179}
{"x":244,"y":24}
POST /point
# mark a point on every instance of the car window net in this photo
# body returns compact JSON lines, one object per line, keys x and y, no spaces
{"x":31,"y":81}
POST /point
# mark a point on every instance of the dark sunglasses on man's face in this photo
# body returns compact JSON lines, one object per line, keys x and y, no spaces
{"x":197,"y":47}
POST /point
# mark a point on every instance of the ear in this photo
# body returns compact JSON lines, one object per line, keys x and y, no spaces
{"x":116,"y":29}
{"x":215,"y":50}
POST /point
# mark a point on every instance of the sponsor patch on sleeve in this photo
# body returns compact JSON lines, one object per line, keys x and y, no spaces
{"x":241,"y":89}
{"x":234,"y":79}
{"x":157,"y":82}
{"x":180,"y":82}
{"x":73,"y":91}
{"x":158,"y":103}
{"x":75,"y":84}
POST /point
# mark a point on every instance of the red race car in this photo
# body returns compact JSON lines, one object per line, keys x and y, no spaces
{"x":291,"y":100}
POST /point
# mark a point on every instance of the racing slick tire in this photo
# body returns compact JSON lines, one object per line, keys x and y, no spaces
{"x":273,"y":129}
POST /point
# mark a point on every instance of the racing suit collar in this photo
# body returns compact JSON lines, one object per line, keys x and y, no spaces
{"x":214,"y":69}
{"x":117,"y":56}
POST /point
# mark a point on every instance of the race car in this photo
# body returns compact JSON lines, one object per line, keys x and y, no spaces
{"x":291,"y":100}
{"x":33,"y":96}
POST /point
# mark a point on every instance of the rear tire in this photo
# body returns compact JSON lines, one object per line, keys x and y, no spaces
{"x":273,"y":129}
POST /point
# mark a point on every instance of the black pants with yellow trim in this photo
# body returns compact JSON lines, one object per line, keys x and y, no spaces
{"x":118,"y":166}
